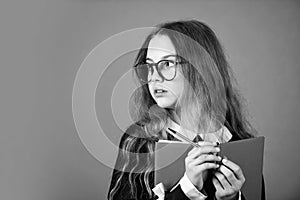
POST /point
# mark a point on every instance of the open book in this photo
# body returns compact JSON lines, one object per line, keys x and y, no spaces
{"x":248,"y":154}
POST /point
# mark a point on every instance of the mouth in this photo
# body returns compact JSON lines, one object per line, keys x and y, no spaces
{"x":159,"y":92}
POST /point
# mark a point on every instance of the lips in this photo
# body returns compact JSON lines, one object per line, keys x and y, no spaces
{"x":159,"y":92}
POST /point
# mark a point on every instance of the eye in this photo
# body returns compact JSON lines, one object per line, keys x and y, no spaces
{"x":165,"y":64}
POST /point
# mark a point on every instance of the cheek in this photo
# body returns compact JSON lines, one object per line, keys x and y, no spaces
{"x":150,"y":90}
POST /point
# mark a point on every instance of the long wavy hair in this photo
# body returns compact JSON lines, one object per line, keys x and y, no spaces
{"x":210,"y":97}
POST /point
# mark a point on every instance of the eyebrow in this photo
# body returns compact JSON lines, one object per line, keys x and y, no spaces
{"x":164,"y":57}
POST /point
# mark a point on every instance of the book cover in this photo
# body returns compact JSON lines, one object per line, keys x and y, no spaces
{"x":247,"y":153}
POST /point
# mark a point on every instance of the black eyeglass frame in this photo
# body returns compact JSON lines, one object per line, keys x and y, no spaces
{"x":176,"y":63}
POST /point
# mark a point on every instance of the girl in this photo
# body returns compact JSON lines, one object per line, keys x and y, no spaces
{"x":185,"y":83}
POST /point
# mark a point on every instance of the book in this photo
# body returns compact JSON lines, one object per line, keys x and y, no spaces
{"x":247,"y":153}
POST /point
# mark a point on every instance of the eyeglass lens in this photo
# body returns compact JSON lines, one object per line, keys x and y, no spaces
{"x":165,"y":68}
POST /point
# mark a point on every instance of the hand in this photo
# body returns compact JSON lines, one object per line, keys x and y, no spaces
{"x":199,"y":160}
{"x":228,"y":180}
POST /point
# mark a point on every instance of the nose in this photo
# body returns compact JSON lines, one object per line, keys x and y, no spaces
{"x":155,"y":75}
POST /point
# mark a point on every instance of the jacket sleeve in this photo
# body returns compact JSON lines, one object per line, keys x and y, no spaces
{"x":120,"y":185}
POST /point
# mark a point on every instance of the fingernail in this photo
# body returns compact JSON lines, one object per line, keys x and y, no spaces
{"x":219,"y":158}
{"x":224,"y":160}
{"x":218,"y":149}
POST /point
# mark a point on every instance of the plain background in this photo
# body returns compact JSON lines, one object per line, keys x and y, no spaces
{"x":44,"y":42}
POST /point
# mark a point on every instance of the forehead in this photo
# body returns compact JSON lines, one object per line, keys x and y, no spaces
{"x":159,"y":47}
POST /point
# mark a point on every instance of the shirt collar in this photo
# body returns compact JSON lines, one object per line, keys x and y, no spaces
{"x":221,"y":136}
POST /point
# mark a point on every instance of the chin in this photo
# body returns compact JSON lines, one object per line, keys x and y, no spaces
{"x":165,"y":104}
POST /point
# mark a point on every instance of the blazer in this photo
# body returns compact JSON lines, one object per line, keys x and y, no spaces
{"x":123,"y":192}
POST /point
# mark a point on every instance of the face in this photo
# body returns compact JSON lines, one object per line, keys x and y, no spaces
{"x":164,"y":92}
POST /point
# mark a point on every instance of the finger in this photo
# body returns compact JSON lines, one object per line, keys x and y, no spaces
{"x":206,"y":166}
{"x":191,"y":151}
{"x":229,"y":176}
{"x":235,"y":168}
{"x":204,"y":150}
{"x":217,"y":184}
{"x":205,"y":158}
{"x":201,"y":143}
{"x":223,"y":181}
{"x":195,"y":149}
{"x":206,"y":143}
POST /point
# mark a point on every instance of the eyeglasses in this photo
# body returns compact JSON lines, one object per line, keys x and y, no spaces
{"x":166,"y":69}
